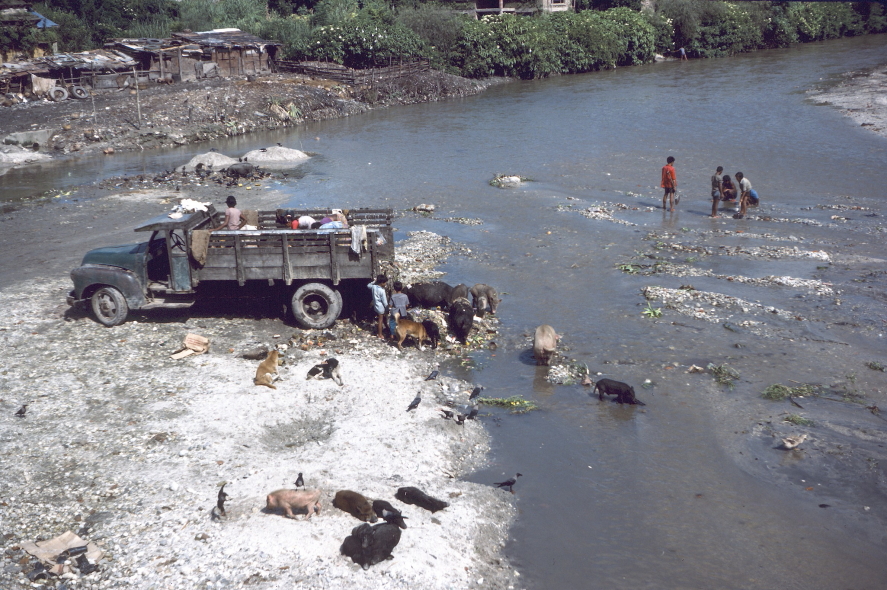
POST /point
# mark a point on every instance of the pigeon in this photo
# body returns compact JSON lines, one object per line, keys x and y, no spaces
{"x":299,"y":481}
{"x":220,"y":503}
{"x":508,"y":483}
{"x":447,"y":414}
{"x":415,"y":403}
{"x":22,"y":411}
{"x":432,"y":376}
{"x":793,"y":442}
{"x":476,"y":392}
{"x":472,"y":414}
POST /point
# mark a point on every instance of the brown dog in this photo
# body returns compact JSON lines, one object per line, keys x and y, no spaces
{"x":410,"y":328}
{"x":267,"y":371}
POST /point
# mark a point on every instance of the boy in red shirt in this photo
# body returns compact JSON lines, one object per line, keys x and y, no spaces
{"x":669,"y":183}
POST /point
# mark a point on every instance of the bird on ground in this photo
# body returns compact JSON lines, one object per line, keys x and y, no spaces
{"x":22,"y":411}
{"x":432,"y":376}
{"x":508,"y":483}
{"x":213,"y":149}
{"x":793,"y":442}
{"x":472,"y":414}
{"x":279,"y":144}
{"x":415,"y":403}
{"x":460,"y":419}
{"x":299,"y":481}
{"x":220,"y":503}
{"x":447,"y":414}
{"x":476,"y":392}
{"x":263,"y":150}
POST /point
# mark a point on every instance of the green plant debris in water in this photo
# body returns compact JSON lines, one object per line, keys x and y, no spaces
{"x":652,"y":312}
{"x":723,"y":374}
{"x":777,"y":391}
{"x":798,"y":420}
{"x":515,"y":403}
{"x":875,"y":366}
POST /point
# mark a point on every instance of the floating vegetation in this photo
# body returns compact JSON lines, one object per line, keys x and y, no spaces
{"x":799,"y":420}
{"x":515,"y":403}
{"x":629,"y":268}
{"x":652,"y":312}
{"x":723,"y":374}
{"x":778,"y":392}
{"x":875,"y":366}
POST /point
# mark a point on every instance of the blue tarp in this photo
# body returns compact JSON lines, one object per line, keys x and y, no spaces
{"x":43,"y":23}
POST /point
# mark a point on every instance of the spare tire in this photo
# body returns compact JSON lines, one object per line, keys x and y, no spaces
{"x":79,"y":92}
{"x":58,"y":94}
{"x":316,"y":306}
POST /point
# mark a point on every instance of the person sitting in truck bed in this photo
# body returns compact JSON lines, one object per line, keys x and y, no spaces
{"x":233,"y":218}
{"x":335,"y":220}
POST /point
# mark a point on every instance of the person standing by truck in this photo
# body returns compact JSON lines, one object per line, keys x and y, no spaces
{"x":233,"y":218}
{"x":380,"y":302}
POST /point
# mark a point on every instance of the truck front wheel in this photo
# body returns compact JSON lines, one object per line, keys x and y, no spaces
{"x":109,"y":306}
{"x":316,"y":306}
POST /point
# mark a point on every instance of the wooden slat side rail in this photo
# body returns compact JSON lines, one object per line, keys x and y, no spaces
{"x":287,"y":263}
{"x":241,"y":280}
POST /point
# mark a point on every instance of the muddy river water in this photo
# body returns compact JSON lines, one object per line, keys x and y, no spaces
{"x":687,"y":492}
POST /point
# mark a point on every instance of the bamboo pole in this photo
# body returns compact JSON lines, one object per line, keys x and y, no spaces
{"x":138,"y":102}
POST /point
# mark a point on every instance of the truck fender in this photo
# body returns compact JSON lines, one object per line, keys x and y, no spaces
{"x":91,"y":277}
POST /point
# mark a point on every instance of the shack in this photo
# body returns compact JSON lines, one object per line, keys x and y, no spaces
{"x":192,"y":56}
{"x":60,"y":75}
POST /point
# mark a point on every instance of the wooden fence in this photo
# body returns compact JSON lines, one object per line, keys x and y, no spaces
{"x":352,"y":77}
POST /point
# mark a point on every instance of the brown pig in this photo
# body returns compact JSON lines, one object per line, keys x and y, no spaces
{"x":355,"y":504}
{"x":544,"y":344}
{"x":290,"y":500}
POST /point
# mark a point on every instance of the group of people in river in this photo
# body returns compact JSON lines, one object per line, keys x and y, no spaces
{"x":722,"y":189}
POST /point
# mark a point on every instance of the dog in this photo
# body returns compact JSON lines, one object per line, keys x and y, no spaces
{"x":433,"y":331}
{"x":267,"y":372}
{"x":328,"y":369}
{"x":410,"y":328}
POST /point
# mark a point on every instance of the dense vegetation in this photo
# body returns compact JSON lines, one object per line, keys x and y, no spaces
{"x":359,"y":33}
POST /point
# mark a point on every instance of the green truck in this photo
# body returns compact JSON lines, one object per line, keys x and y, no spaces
{"x":308,"y":269}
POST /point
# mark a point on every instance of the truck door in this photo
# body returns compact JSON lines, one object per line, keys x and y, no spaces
{"x":179,"y":263}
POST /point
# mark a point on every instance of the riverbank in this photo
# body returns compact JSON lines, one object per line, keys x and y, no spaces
{"x":128,"y":448}
{"x":862,"y":96}
{"x":165,"y":116}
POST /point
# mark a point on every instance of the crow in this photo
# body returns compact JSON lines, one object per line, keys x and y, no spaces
{"x":432,"y":376}
{"x":476,"y":392}
{"x":415,"y":403}
{"x":22,"y":411}
{"x":508,"y":483}
{"x":447,"y":414}
{"x":220,"y":503}
{"x":472,"y":414}
{"x":299,"y":481}
{"x":279,"y":144}
{"x":460,"y":419}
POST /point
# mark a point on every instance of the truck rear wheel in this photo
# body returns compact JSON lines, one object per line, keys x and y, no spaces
{"x":109,"y":306}
{"x":316,"y":306}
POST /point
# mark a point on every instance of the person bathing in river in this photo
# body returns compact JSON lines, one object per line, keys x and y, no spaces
{"x":233,"y":218}
{"x":728,"y":191}
{"x":749,"y":195}
{"x":717,"y":189}
{"x":669,"y":183}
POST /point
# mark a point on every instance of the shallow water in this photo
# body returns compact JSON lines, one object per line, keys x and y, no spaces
{"x":617,"y":497}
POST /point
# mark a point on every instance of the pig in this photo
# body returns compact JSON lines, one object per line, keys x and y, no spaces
{"x":290,"y":500}
{"x":434,"y":294}
{"x":368,"y":545}
{"x":461,"y":318}
{"x":459,"y":291}
{"x":544,"y":344}
{"x":482,"y":296}
{"x":623,"y":391}
{"x":355,"y":504}
{"x":433,"y":332}
{"x":415,"y":496}
{"x":389,"y":513}
{"x":240,"y":170}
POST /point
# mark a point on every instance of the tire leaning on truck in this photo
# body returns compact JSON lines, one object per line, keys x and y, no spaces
{"x":109,"y":306}
{"x":316,"y":306}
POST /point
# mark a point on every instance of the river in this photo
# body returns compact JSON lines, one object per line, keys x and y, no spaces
{"x":622,"y":497}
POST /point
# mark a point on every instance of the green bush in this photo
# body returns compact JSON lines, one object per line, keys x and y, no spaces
{"x":362,"y":43}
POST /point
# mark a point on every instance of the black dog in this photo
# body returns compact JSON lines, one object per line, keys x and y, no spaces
{"x":623,"y":391}
{"x":433,"y":333}
{"x":328,"y":369}
{"x":417,"y":497}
